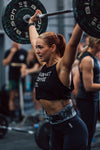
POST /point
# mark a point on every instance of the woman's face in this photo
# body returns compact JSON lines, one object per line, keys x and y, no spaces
{"x":43,"y":50}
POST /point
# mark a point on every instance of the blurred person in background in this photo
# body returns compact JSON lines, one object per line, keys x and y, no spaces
{"x":75,"y":68}
{"x":14,"y":58}
{"x":86,"y":43}
{"x":75,"y":75}
{"x":79,"y":48}
{"x":98,"y":57}
{"x":88,"y":93}
{"x":32,"y":68}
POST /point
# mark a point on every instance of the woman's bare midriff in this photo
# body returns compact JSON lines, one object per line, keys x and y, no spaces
{"x":51,"y":107}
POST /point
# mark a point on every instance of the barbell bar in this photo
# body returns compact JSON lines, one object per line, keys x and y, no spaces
{"x":4,"y":126}
{"x":54,"y":13}
{"x":27,"y":17}
{"x":17,"y":13}
{"x":24,"y":130}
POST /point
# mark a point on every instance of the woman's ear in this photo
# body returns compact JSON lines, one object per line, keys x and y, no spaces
{"x":53,"y":47}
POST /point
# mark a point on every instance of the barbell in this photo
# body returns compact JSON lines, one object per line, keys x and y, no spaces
{"x":4,"y":127}
{"x":17,"y":13}
{"x":40,"y":130}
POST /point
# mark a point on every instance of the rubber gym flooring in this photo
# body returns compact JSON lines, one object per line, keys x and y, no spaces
{"x":24,"y":141}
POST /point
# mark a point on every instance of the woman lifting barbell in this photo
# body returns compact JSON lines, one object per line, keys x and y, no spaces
{"x":53,"y":88}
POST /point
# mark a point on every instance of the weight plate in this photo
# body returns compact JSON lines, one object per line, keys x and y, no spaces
{"x":42,"y":135}
{"x":87,"y":14}
{"x":3,"y":122}
{"x":14,"y":22}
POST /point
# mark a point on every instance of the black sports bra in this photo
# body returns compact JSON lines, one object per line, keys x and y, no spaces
{"x":49,"y":87}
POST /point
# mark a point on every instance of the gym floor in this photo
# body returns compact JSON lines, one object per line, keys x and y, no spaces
{"x":23,"y":141}
{"x":18,"y":141}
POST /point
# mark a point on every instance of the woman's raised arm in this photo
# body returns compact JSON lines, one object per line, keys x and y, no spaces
{"x":32,"y":29}
{"x":33,"y":32}
{"x":71,"y":48}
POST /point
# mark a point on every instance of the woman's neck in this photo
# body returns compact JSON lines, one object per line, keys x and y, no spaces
{"x":52,"y":61}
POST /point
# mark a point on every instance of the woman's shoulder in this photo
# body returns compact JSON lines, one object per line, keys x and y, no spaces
{"x":87,"y":62}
